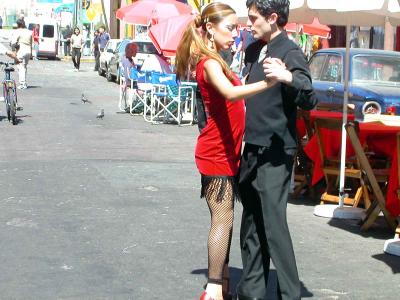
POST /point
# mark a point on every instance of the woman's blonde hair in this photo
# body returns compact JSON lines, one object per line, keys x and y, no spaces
{"x":192,"y":47}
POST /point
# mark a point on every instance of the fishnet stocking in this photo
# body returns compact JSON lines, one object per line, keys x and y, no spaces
{"x":220,"y":199}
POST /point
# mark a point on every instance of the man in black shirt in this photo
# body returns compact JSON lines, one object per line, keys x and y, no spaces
{"x":268,"y":156}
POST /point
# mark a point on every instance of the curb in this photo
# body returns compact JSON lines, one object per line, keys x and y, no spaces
{"x":83,"y":59}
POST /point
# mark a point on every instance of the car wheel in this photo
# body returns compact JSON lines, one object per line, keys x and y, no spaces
{"x":100,"y":71}
{"x":371,"y":107}
{"x":109,"y":77}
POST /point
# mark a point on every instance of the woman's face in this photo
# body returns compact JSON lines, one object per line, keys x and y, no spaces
{"x":225,"y":32}
{"x":76,"y":31}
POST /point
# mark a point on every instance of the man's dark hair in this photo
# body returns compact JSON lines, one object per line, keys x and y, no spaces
{"x":267,"y":7}
{"x":20,"y":23}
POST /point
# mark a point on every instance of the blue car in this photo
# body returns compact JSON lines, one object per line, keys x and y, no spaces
{"x":374,"y":84}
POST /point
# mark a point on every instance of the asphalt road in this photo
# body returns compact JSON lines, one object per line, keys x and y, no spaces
{"x":110,"y":209}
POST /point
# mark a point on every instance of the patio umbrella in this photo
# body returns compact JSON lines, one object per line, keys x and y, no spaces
{"x":143,"y":12}
{"x":315,"y":28}
{"x":167,"y":34}
{"x":345,"y":12}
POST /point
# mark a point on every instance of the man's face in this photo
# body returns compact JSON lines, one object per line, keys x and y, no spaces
{"x":260,"y":26}
{"x":101,"y":30}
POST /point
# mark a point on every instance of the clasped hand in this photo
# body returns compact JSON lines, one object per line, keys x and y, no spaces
{"x":276,"y":71}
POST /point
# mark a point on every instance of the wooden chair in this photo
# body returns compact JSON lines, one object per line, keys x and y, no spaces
{"x":331,"y":168}
{"x":378,"y":204}
{"x":303,"y":167}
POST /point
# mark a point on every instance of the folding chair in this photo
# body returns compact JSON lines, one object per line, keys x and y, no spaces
{"x":169,"y":100}
{"x":378,"y":204}
{"x":331,"y":167}
{"x":303,"y":166}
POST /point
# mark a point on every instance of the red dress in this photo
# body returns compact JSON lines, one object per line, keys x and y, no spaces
{"x":219,"y":143}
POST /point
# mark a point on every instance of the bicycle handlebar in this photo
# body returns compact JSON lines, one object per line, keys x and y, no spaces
{"x":7,"y":63}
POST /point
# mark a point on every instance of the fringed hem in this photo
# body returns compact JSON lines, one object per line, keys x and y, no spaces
{"x":206,"y":180}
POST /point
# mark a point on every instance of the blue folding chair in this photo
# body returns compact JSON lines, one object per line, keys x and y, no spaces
{"x":139,"y":98}
{"x":169,"y":100}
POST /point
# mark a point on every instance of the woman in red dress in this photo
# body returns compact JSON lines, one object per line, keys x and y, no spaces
{"x":219,"y":144}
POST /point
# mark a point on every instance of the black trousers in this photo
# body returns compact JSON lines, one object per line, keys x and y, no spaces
{"x":97,"y":59}
{"x":264,"y":185}
{"x":76,"y":57}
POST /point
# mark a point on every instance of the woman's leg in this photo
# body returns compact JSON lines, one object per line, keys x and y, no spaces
{"x":78,"y":62}
{"x":220,"y":199}
{"x":73,"y":55}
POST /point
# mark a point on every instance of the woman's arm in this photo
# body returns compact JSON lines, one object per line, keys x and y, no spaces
{"x":215,"y":75}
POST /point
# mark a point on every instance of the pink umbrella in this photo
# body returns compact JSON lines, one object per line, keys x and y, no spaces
{"x":143,"y":12}
{"x":167,"y":34}
{"x":315,"y":28}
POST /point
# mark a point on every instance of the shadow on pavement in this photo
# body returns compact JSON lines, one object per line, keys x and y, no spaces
{"x":235,"y":274}
{"x":391,"y":260}
{"x":379,"y":230}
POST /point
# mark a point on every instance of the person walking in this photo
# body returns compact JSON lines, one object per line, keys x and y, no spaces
{"x":219,"y":144}
{"x":268,"y":156}
{"x":96,"y":50}
{"x":67,"y":33}
{"x":77,"y":44}
{"x":1,"y":22}
{"x":22,"y":40}
{"x":35,"y":39}
{"x":103,"y":39}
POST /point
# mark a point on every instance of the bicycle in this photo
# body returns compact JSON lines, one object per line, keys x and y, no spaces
{"x":9,"y":92}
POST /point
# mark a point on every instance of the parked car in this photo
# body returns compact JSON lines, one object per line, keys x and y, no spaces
{"x":112,"y":72}
{"x":145,"y":49}
{"x":106,"y":55}
{"x":374,"y":83}
{"x":48,"y":36}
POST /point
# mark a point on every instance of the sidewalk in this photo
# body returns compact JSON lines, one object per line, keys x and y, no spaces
{"x":85,"y":58}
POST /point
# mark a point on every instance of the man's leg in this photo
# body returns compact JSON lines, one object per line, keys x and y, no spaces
{"x":22,"y":68}
{"x":97,"y":58}
{"x":255,"y":257}
{"x":273,"y":185}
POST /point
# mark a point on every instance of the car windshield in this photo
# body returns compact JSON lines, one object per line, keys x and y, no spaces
{"x":147,"y":48}
{"x":122,"y":45}
{"x":376,"y":70}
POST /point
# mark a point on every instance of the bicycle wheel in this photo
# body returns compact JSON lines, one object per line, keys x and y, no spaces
{"x":12,"y":106}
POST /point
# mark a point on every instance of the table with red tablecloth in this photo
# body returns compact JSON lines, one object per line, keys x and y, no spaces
{"x":379,"y":138}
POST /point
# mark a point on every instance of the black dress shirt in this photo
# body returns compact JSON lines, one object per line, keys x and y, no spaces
{"x":271,"y":114}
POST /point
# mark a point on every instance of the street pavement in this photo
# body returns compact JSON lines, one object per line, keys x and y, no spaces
{"x":110,"y":209}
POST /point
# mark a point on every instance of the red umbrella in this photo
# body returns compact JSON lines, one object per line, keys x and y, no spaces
{"x":143,"y":12}
{"x":315,"y":28}
{"x":167,"y":34}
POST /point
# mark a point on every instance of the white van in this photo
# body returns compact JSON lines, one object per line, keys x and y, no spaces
{"x":48,"y":36}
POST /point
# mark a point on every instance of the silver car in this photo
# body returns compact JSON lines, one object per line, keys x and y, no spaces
{"x":106,"y":55}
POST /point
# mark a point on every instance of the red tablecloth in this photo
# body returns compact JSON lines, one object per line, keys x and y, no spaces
{"x":379,"y":138}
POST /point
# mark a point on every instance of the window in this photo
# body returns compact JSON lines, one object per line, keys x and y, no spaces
{"x":375,"y":69}
{"x":147,"y":48}
{"x":48,"y":31}
{"x":332,"y":70}
{"x":316,"y":65}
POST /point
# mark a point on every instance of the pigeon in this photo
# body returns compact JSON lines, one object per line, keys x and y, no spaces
{"x":100,"y":115}
{"x":84,"y":99}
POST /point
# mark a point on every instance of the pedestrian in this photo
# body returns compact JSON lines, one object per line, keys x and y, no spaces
{"x":104,"y":37}
{"x":1,"y":22}
{"x":67,"y":33}
{"x":77,"y":44}
{"x":96,"y":49}
{"x":268,"y":156}
{"x":35,"y":38}
{"x":22,"y":41}
{"x":219,"y":144}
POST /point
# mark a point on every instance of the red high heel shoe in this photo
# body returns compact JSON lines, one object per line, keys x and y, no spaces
{"x":205,"y":296}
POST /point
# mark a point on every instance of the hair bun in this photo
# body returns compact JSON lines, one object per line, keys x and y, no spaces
{"x":197,"y":21}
